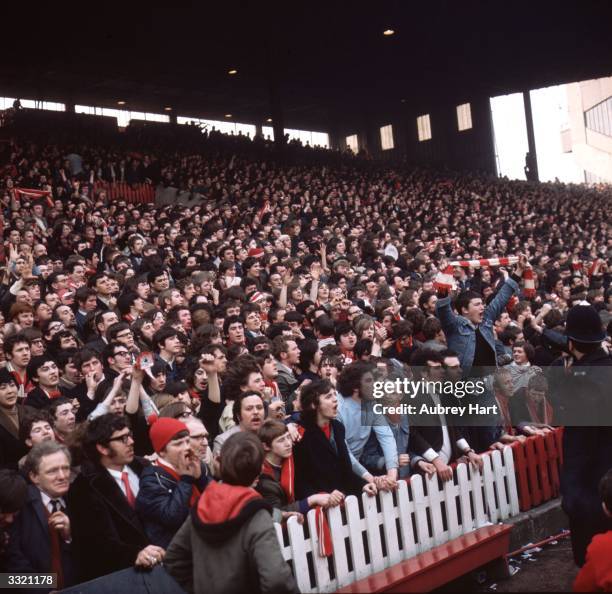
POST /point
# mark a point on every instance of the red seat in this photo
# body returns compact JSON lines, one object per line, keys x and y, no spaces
{"x":440,"y":565}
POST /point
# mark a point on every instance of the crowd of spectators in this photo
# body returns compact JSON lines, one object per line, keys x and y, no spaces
{"x":219,"y":356}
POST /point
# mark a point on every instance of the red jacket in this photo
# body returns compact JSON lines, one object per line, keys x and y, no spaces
{"x":596,"y":573}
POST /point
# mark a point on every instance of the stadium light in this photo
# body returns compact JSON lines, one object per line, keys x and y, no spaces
{"x":228,"y":115}
{"x":388,"y":32}
{"x":167,"y":108}
{"x":120,"y":102}
{"x":268,"y":119}
{"x":232,"y":71}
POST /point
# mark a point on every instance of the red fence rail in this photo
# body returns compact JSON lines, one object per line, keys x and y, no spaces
{"x":537,"y":462}
{"x":133,"y":193}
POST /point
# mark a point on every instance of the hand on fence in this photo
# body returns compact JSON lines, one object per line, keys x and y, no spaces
{"x":335,"y":498}
{"x":476,"y":460}
{"x":445,"y":472}
{"x":428,"y":468}
{"x":370,"y":489}
{"x":287,"y":514}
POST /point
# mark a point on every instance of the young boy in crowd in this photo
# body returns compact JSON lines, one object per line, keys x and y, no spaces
{"x":229,"y":544}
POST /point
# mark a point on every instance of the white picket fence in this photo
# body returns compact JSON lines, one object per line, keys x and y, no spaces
{"x":392,"y":527}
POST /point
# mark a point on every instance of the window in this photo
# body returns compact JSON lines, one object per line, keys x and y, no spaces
{"x":320,"y":139}
{"x":464,"y":117}
{"x":599,"y":117}
{"x":123,"y":116}
{"x":223,"y":126}
{"x":307,"y":137}
{"x":424,"y":127}
{"x":352,"y":142}
{"x":7,"y":103}
{"x":386,"y":137}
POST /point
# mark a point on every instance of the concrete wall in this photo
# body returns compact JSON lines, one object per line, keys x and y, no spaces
{"x":470,"y":150}
{"x":592,"y":151}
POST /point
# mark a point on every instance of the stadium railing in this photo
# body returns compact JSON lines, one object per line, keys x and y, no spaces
{"x":424,"y":534}
{"x":132,"y":193}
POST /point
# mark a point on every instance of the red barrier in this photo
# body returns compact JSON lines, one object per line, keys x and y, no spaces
{"x":132,"y":193}
{"x":537,"y":463}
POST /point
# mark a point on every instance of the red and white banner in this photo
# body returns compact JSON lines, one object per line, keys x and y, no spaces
{"x":529,"y":280}
{"x":445,"y":280}
{"x":32,"y":194}
{"x":482,"y":262}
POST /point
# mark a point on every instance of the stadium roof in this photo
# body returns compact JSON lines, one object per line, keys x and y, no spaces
{"x":330,"y":59}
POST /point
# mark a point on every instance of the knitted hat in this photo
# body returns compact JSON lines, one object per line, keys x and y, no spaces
{"x":163,"y":431}
{"x":256,"y":252}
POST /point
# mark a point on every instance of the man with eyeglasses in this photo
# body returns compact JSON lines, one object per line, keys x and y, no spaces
{"x":117,"y":359}
{"x":108,"y":534}
{"x":122,"y":334}
{"x":198,"y":434}
{"x":172,"y":484}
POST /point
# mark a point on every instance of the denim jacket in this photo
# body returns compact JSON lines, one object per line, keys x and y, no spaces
{"x":461,"y":333}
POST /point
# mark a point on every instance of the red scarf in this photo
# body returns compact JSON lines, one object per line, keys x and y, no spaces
{"x":195,"y":395}
{"x":534,"y":412}
{"x":195,"y":492}
{"x":24,"y":386}
{"x":327,"y":430}
{"x":287,"y":476}
{"x":272,"y":384}
{"x":348,"y":354}
{"x":400,"y":347}
{"x":504,"y":410}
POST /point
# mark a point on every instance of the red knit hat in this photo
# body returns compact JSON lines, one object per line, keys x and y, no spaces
{"x":163,"y":430}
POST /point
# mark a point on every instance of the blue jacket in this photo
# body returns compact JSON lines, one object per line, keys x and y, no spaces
{"x":461,"y":333}
{"x":163,"y":502}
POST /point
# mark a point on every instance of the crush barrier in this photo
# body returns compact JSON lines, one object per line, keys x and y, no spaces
{"x":132,"y":193}
{"x":378,"y":532}
{"x":537,"y":462}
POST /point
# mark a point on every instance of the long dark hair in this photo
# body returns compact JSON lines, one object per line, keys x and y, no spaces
{"x":310,"y":396}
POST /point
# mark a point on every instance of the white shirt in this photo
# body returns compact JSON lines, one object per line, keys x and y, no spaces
{"x":46,"y":500}
{"x":446,"y":453}
{"x":132,"y":478}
